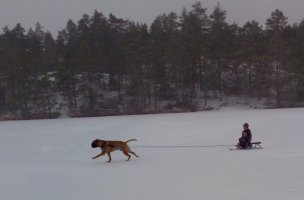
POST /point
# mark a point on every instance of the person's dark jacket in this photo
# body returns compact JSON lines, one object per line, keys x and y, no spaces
{"x":246,"y":135}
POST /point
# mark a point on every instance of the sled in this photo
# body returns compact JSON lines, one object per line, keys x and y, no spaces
{"x":253,"y":145}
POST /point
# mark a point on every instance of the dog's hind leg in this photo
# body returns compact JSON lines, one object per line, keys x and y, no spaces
{"x":126,"y":153}
{"x":131,"y":152}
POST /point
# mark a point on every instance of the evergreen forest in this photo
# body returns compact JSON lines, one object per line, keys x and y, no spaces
{"x":105,"y":65}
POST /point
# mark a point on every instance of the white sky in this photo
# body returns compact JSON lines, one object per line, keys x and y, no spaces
{"x":53,"y":14}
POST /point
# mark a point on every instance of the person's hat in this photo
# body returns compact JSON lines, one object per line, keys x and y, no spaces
{"x":246,"y":125}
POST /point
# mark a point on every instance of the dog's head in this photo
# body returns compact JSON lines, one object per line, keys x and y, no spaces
{"x":96,"y":143}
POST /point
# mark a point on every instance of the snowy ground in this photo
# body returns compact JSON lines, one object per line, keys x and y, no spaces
{"x":51,"y":159}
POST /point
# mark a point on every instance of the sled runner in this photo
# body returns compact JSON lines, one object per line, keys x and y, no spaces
{"x":253,"y":145}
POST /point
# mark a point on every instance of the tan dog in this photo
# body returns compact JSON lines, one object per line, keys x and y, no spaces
{"x":109,"y":146}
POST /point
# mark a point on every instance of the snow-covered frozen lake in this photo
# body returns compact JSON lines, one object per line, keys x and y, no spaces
{"x":51,"y":159}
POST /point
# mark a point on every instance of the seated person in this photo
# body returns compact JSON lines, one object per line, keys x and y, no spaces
{"x":244,"y":141}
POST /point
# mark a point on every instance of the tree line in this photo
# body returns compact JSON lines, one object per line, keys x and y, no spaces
{"x":108,"y":65}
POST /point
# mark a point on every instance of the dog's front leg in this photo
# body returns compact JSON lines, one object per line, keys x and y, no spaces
{"x":101,"y":154}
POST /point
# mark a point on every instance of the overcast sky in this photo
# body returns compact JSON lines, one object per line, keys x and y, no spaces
{"x":53,"y":14}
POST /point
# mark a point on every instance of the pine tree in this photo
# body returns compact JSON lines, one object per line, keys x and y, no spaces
{"x":194,"y":26}
{"x":116,"y":54}
{"x":49,"y":54}
{"x":18,"y":73}
{"x":68,"y":65}
{"x":136,"y":51}
{"x":254,"y":59}
{"x":163,"y":43}
{"x":278,"y":51}
{"x":219,"y":45}
{"x":296,"y":40}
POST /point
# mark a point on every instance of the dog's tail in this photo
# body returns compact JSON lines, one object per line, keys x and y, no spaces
{"x":131,"y":140}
